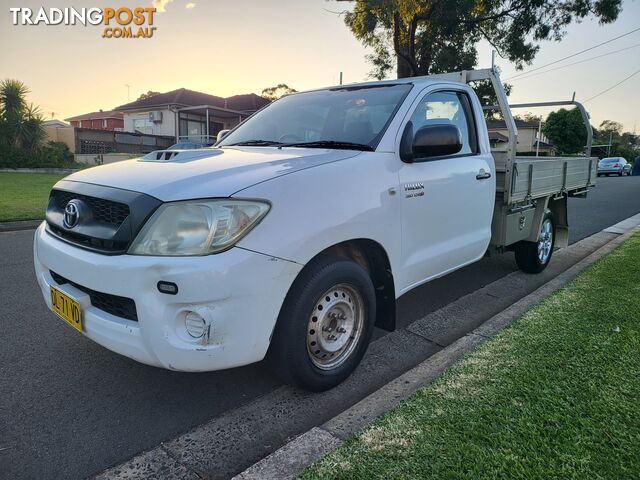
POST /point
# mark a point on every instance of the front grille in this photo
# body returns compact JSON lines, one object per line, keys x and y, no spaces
{"x":89,"y":242}
{"x":105,"y":211}
{"x":122,"y":307}
{"x":107,"y":220}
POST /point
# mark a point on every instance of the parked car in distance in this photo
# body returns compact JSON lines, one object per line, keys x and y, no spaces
{"x":189,"y":145}
{"x":615,"y":165}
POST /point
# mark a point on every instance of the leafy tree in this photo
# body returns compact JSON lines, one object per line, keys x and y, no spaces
{"x":610,"y":127}
{"x":280,"y":90}
{"x":149,"y":94}
{"x":485,"y":92}
{"x":20,"y":123}
{"x":528,"y":117}
{"x":622,"y":143}
{"x":432,"y":36}
{"x":566,"y":130}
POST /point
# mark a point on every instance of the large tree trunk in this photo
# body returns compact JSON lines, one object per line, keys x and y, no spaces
{"x":403,"y":44}
{"x":403,"y":68}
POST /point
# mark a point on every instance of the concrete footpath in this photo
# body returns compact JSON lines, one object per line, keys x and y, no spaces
{"x":300,"y":427}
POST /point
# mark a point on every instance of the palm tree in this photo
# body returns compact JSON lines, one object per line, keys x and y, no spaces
{"x":20,"y":123}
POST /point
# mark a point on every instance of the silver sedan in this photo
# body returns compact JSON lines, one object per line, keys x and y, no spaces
{"x":614,"y":165}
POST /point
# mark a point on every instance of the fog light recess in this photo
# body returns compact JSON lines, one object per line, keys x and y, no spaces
{"x":195,"y":325}
{"x":169,"y":288}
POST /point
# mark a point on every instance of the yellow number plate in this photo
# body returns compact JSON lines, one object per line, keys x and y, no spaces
{"x":67,"y":308}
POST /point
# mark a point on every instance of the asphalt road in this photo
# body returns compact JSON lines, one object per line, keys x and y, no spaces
{"x":70,"y":408}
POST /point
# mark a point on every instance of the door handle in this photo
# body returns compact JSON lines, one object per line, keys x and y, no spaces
{"x":482,"y":175}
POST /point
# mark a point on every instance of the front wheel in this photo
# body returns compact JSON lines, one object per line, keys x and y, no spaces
{"x":325,"y":324}
{"x":533,"y":257}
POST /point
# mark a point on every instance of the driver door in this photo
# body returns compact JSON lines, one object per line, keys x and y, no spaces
{"x":447,"y":201}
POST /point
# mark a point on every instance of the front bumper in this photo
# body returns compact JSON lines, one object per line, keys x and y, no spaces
{"x":238,"y":292}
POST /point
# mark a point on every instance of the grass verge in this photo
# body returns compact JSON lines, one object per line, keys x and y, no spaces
{"x":555,"y":395}
{"x":23,"y":196}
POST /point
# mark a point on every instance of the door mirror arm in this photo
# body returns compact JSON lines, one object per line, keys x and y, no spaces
{"x":406,"y":144}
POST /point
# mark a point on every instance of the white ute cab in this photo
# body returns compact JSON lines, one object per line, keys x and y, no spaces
{"x":294,"y":236}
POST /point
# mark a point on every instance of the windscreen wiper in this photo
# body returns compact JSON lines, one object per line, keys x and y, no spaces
{"x":330,"y":144}
{"x":254,"y":143}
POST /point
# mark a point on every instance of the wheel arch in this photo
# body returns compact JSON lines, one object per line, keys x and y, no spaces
{"x":373,"y":257}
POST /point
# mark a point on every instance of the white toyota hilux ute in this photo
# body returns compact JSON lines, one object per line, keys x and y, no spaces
{"x":294,"y":236}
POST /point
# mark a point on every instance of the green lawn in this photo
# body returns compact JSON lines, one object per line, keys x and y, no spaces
{"x":555,"y":395}
{"x":23,"y":196}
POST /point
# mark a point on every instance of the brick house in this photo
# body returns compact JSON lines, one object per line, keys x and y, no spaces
{"x":101,"y":120}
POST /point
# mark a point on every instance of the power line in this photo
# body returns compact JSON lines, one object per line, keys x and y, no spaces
{"x":578,"y":62}
{"x":612,"y":87}
{"x":572,"y":55}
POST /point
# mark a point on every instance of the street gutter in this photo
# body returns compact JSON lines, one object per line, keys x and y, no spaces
{"x":19,"y":225}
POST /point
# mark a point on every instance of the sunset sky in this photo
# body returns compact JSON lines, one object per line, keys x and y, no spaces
{"x":241,"y":46}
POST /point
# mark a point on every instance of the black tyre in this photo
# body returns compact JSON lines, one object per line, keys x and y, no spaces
{"x":533,"y":257}
{"x":325,"y":324}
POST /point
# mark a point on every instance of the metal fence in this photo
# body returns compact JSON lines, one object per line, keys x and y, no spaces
{"x":90,"y":141}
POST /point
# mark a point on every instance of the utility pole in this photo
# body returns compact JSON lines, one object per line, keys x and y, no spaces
{"x":340,"y":78}
{"x":128,"y":88}
{"x":539,"y":137}
{"x":609,"y":146}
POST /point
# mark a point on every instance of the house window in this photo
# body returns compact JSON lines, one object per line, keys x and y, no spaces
{"x":142,"y":125}
{"x":192,"y":129}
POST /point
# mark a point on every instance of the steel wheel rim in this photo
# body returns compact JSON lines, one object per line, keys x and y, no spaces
{"x":335,"y":326}
{"x":545,"y":244}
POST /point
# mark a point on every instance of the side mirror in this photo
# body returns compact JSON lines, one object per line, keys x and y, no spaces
{"x":222,"y":134}
{"x":430,"y":141}
{"x":437,"y":140}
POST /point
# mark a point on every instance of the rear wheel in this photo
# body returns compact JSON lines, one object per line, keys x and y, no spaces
{"x":325,"y":324}
{"x":533,"y":257}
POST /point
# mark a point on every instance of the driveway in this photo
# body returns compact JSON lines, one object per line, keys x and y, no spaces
{"x":69,"y":408}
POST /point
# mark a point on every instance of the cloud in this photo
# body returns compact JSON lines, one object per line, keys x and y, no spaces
{"x":190,"y":5}
{"x":160,"y":4}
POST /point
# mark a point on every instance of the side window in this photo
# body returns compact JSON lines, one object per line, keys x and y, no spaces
{"x":452,"y":108}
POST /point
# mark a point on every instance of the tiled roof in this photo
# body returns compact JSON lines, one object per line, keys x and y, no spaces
{"x":501,"y":125}
{"x":97,"y":116}
{"x":497,"y":136}
{"x":191,"y":98}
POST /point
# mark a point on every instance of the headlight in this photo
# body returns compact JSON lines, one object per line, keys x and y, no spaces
{"x":197,"y":227}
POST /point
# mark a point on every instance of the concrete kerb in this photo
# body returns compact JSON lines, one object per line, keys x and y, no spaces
{"x":311,"y":446}
{"x":57,"y":171}
{"x":19,"y":225}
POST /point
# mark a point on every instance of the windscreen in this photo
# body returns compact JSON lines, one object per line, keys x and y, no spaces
{"x":357,"y":115}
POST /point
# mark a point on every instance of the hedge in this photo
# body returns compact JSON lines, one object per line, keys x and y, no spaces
{"x":52,"y":155}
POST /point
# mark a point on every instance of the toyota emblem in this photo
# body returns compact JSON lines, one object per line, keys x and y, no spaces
{"x":71,"y":214}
